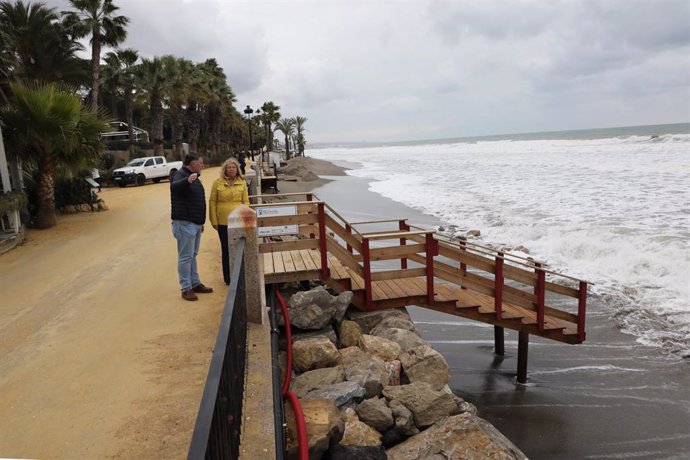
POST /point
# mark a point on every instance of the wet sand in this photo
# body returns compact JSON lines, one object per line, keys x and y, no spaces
{"x":607,"y":398}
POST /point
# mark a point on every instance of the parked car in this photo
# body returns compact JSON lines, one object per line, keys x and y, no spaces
{"x":139,"y":170}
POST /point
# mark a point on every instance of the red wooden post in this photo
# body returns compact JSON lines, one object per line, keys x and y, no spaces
{"x":431,"y":251}
{"x":463,"y":266}
{"x":348,"y":229}
{"x":403,"y":241}
{"x":325,"y":272}
{"x":540,"y":292}
{"x":366,"y":261}
{"x":498,"y":286}
{"x":581,"y":309}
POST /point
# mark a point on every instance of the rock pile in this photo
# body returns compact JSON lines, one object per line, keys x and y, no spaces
{"x":372,"y":388}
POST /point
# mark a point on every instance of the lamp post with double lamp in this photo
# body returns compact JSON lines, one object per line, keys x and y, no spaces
{"x":249,"y":112}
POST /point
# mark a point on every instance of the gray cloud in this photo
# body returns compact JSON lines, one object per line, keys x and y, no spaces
{"x":393,"y":70}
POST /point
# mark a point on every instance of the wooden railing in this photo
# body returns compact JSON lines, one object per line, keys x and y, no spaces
{"x":506,"y":278}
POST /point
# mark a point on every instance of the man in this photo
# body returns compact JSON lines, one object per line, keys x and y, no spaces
{"x":188,"y":212}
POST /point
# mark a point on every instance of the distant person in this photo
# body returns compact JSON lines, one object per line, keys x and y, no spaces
{"x":228,"y":192}
{"x":241,"y":159}
{"x":188,"y":212}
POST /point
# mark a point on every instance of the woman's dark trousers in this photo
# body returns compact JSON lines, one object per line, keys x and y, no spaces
{"x":223,"y":235}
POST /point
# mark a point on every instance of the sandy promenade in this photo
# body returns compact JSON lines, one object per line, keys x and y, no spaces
{"x":99,"y":357}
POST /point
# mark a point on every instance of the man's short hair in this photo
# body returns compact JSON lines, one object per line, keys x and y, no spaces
{"x":189,"y":158}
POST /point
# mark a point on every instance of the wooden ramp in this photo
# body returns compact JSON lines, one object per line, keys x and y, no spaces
{"x":304,"y":265}
{"x":455,"y":277}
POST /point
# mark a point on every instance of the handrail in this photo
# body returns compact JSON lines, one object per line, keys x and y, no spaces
{"x":217,"y":428}
{"x":382,"y":221}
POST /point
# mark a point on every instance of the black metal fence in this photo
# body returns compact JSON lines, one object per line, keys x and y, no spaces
{"x":217,"y":430}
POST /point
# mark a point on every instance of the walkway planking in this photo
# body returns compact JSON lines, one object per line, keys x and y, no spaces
{"x":304,"y":264}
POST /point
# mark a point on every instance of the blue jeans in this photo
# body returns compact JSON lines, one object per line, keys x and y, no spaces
{"x":188,"y":236}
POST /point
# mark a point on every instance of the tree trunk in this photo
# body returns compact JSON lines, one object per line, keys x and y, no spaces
{"x":193,"y":125}
{"x":157,"y":128}
{"x":95,"y":67}
{"x":129,"y":117}
{"x":45,"y":190}
{"x":287,"y":147}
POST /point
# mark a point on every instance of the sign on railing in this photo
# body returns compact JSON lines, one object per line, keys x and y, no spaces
{"x":277,"y":211}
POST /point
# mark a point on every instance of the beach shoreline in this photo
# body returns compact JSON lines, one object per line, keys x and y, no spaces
{"x":610,"y":397}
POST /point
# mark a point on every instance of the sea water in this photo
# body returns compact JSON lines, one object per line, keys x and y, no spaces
{"x":609,"y":206}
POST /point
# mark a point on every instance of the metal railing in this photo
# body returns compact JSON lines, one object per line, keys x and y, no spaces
{"x":217,"y":430}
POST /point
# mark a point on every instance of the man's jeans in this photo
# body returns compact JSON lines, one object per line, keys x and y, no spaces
{"x":188,"y":235}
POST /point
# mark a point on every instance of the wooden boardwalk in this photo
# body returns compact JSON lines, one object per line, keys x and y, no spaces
{"x":453,"y":277}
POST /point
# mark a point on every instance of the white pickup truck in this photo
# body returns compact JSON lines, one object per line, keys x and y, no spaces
{"x":139,"y":170}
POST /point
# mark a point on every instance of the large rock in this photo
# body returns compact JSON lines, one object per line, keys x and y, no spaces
{"x":385,"y":349}
{"x":426,"y":404}
{"x":406,"y":339}
{"x":341,"y":452}
{"x":369,"y":371}
{"x":393,"y":368}
{"x":313,"y":353}
{"x":325,"y":427}
{"x":351,"y":355}
{"x":316,"y":308}
{"x":358,"y":433}
{"x":312,"y":380}
{"x":375,"y":413}
{"x":327,"y":332}
{"x":368,"y":319}
{"x":350,"y":334}
{"x":393,"y":321}
{"x":464,"y":436}
{"x":424,"y":364}
{"x":342,"y":393}
{"x":404,"y":420}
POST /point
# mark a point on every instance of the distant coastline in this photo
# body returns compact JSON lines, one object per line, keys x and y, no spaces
{"x":592,"y":133}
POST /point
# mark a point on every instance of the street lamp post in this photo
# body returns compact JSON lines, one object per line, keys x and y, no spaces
{"x":249,"y":112}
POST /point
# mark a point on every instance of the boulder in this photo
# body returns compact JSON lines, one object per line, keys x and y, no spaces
{"x":342,"y":452}
{"x":385,"y":349}
{"x":393,"y":321}
{"x":426,"y":404}
{"x":316,"y":308}
{"x":324,"y":425}
{"x":375,"y":413}
{"x":312,"y":380}
{"x":463,"y":436}
{"x":406,"y":339}
{"x":473,"y":233}
{"x":350,"y":334}
{"x":341,"y":393}
{"x":351,"y":355}
{"x":102,"y":206}
{"x":424,"y":364}
{"x":342,"y":302}
{"x":370,"y":372}
{"x":313,"y":353}
{"x":84,"y":207}
{"x":368,"y":319}
{"x":358,"y":433}
{"x":404,"y":420}
{"x":327,"y":332}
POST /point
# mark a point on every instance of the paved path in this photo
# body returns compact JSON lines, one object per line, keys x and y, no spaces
{"x":99,"y":356}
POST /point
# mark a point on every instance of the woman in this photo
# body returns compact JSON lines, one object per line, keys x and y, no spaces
{"x":228,"y":192}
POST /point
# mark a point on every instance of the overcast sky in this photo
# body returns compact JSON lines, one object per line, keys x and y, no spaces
{"x":405,"y":70}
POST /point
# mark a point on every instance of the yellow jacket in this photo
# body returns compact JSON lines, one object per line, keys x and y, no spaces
{"x":224,"y":198}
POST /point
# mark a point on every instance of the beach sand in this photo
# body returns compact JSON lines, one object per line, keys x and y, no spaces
{"x":607,"y":398}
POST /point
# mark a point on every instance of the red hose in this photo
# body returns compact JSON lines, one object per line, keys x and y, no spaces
{"x":302,"y":441}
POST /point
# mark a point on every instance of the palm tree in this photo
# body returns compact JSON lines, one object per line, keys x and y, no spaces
{"x":48,"y":126}
{"x":118,"y":75}
{"x":299,"y":138}
{"x":179,"y":73}
{"x":97,"y":18}
{"x":35,"y":46}
{"x":271,"y":115}
{"x":287,"y":127}
{"x":152,"y":81}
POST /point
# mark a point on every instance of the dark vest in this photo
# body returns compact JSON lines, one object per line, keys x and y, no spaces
{"x":187,"y":201}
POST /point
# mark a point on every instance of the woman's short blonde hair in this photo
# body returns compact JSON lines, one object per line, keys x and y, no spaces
{"x":228,"y":162}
